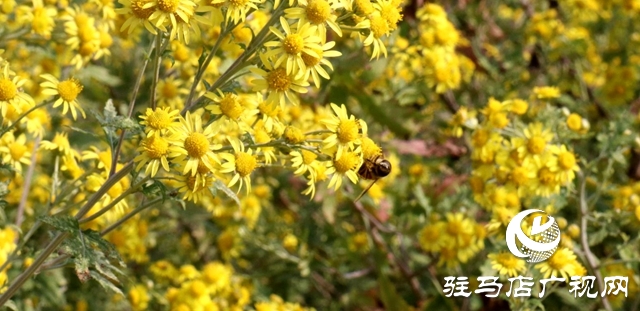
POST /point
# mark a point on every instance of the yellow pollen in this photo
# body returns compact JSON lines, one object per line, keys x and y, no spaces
{"x":169,"y":6}
{"x":536,"y":145}
{"x":138,"y":10}
{"x":69,"y":89}
{"x":379,"y":26}
{"x":169,"y":90}
{"x":159,"y":119}
{"x":566,"y":160}
{"x":279,"y":80}
{"x":311,"y":61}
{"x":245,"y":163}
{"x":308,"y":157}
{"x":8,"y":90}
{"x":17,"y":151}
{"x":348,"y":131}
{"x":347,"y":161}
{"x":156,"y":147}
{"x":293,"y":44}
{"x":230,"y":106}
{"x":318,"y":11}
{"x":196,"y":145}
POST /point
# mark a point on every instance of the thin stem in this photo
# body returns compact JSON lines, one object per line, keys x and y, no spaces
{"x":117,"y":200}
{"x":105,"y":187}
{"x":205,"y":64}
{"x":26,"y":186}
{"x":156,"y":69}
{"x":134,"y":95}
{"x":320,"y":132}
{"x":591,"y":259}
{"x":129,"y":215}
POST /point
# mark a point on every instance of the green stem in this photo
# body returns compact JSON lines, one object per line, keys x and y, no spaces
{"x":105,"y":187}
{"x":117,"y":200}
{"x":129,"y":215}
{"x":156,"y":69}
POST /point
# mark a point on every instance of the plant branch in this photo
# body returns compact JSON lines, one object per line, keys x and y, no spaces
{"x":117,"y":200}
{"x":26,"y":186}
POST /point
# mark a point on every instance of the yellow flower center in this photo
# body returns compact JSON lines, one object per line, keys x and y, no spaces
{"x":566,"y":160}
{"x":379,"y":26}
{"x":348,"y":131}
{"x":17,"y":151}
{"x":536,"y":145}
{"x":293,"y":44}
{"x":238,"y":3}
{"x":453,"y":228}
{"x":507,"y":260}
{"x":115,"y":191}
{"x":480,"y":138}
{"x":279,"y":80}
{"x":169,"y":90}
{"x":198,"y":288}
{"x":369,"y":148}
{"x":191,"y":182}
{"x":69,"y":89}
{"x":311,"y":61}
{"x":546,"y":176}
{"x":138,"y":10}
{"x":159,"y":119}
{"x":293,"y":135}
{"x":391,"y":14}
{"x":169,"y":6}
{"x":202,"y":168}
{"x":8,"y":90}
{"x":574,"y":122}
{"x":477,"y":184}
{"x":231,"y":107}
{"x":308,"y":157}
{"x":156,"y":147}
{"x":196,"y":145}
{"x":181,"y":53}
{"x":558,"y":260}
{"x":364,"y":6}
{"x":318,"y":11}
{"x":347,"y":161}
{"x":245,"y":163}
{"x":519,"y":176}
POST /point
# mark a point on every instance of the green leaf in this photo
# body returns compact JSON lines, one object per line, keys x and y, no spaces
{"x":219,"y":185}
{"x":154,"y":189}
{"x":598,"y":236}
{"x":389,"y":295}
{"x":11,"y":305}
{"x":100,"y":74}
{"x":423,"y":201}
{"x":62,"y":223}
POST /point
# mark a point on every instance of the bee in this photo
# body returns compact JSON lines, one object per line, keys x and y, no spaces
{"x":373,"y":169}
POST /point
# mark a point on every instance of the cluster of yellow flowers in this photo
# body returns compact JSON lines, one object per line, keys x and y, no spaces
{"x":8,"y":238}
{"x":433,"y":58}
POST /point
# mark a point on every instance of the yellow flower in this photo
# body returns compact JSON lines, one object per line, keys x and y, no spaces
{"x":378,"y":27}
{"x":68,"y":90}
{"x":16,"y":151}
{"x":167,"y":12}
{"x":160,"y":121}
{"x":303,"y":161}
{"x":278,"y":84}
{"x":139,"y":298}
{"x":318,"y":13}
{"x":194,"y":144}
{"x":561,"y":263}
{"x":237,"y":10}
{"x":346,"y":165}
{"x":241,"y":163}
{"x":154,"y":151}
{"x":195,"y":187}
{"x":10,"y":93}
{"x":60,"y":143}
{"x":507,"y":264}
{"x":347,"y":130}
{"x":566,"y":165}
{"x":546,"y":92}
{"x":314,"y":64}
{"x":431,"y":237}
{"x":289,"y":49}
{"x":138,"y":15}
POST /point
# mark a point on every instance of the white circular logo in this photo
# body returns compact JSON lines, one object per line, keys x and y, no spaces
{"x":548,"y":236}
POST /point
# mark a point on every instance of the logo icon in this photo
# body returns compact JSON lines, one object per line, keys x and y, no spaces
{"x":541,"y":242}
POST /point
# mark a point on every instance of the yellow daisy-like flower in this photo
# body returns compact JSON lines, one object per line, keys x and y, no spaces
{"x":160,"y":121}
{"x":242,"y":163}
{"x":60,"y":142}
{"x":10,"y":93}
{"x":314,"y":64}
{"x":68,"y":90}
{"x":15,"y":150}
{"x":318,"y":13}
{"x":566,"y":165}
{"x":347,"y":130}
{"x":432,"y":237}
{"x":168,"y":11}
{"x":230,"y":105}
{"x":378,"y":27}
{"x":303,"y":161}
{"x":237,"y":10}
{"x":561,"y":263}
{"x":171,"y":92}
{"x":42,"y":19}
{"x":194,"y":144}
{"x":507,"y":264}
{"x":139,"y":14}
{"x":192,"y":189}
{"x":346,"y":165}
{"x":154,"y":151}
{"x":289,"y":49}
{"x":535,"y":142}
{"x":279,"y":85}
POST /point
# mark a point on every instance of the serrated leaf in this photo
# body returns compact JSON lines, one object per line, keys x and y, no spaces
{"x":598,"y":236}
{"x":109,"y":111}
{"x":62,"y":223}
{"x":219,"y":185}
{"x":107,"y":284}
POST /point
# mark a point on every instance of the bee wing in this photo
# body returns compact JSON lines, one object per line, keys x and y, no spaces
{"x":365,"y":190}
